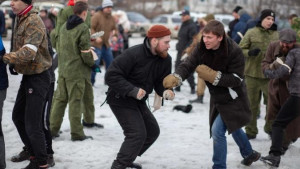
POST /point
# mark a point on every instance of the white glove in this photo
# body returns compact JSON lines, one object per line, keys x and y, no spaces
{"x":97,"y":35}
{"x":168,"y":95}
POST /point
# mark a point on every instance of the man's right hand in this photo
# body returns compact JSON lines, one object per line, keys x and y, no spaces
{"x":172,"y":80}
{"x":141,"y":94}
{"x":11,"y":69}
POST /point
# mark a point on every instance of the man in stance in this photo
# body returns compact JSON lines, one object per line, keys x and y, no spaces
{"x":220,"y":62}
{"x":131,"y":77}
{"x":30,"y":57}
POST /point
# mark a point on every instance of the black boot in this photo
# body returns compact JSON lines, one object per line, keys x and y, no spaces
{"x":50,"y":160}
{"x":135,"y":166}
{"x":254,"y":156}
{"x":90,"y":125}
{"x":22,"y":156}
{"x":117,"y":165}
{"x":193,"y":91}
{"x":185,"y":109}
{"x":33,"y":164}
{"x":199,"y":99}
{"x":271,"y":160}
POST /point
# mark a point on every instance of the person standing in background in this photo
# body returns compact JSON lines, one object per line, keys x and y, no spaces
{"x":233,"y":22}
{"x":3,"y":88}
{"x":254,"y":46}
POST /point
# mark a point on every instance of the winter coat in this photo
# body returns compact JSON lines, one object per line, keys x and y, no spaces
{"x":296,"y":27}
{"x":257,"y":37}
{"x":2,"y":23}
{"x":293,"y":61}
{"x":136,"y":67}
{"x":241,"y":27}
{"x":230,"y":60}
{"x":186,"y":34}
{"x":30,"y":53}
{"x":62,"y":17}
{"x":72,"y":63}
{"x":278,"y":91}
{"x":3,"y":72}
{"x":102,"y":22}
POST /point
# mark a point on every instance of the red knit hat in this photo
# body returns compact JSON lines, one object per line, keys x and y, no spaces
{"x":158,"y":31}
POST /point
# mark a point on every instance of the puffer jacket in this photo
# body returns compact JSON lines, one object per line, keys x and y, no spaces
{"x":256,"y":37}
{"x":30,"y":53}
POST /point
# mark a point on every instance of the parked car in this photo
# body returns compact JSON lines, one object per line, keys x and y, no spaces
{"x":170,"y":21}
{"x":225,"y":19}
{"x":48,"y":5}
{"x":138,"y":23}
{"x":194,"y":15}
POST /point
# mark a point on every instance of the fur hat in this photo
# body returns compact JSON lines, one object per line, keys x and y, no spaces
{"x":107,"y":3}
{"x":265,"y":13}
{"x":158,"y":31}
{"x":27,"y":1}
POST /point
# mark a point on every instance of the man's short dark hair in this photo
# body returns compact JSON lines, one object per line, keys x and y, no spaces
{"x":215,"y":27}
{"x":293,"y":16}
{"x":79,"y":7}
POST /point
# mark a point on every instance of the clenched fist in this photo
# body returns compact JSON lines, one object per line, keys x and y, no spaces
{"x":206,"y":73}
{"x":141,"y":94}
{"x":172,"y":80}
{"x":168,"y":95}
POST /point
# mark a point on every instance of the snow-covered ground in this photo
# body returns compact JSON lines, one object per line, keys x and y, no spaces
{"x":184,"y":142}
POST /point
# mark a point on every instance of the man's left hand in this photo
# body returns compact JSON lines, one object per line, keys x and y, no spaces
{"x":206,"y":73}
{"x":168,"y":94}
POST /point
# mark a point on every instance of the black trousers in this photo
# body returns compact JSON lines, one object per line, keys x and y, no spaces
{"x":28,"y":111}
{"x":46,"y":119}
{"x":191,"y":78}
{"x":289,"y":111}
{"x":140,"y":129}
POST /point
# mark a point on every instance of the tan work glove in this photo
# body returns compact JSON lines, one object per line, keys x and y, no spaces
{"x":206,"y":73}
{"x":172,"y":80}
{"x":168,"y":94}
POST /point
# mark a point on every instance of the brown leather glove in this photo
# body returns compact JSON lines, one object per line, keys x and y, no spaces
{"x":206,"y":73}
{"x":172,"y":80}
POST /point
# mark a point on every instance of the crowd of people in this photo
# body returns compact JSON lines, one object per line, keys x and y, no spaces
{"x":253,"y":60}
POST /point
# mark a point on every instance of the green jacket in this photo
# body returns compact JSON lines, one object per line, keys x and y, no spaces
{"x":62,"y":17}
{"x":256,"y":37}
{"x":296,"y":27}
{"x":72,"y":63}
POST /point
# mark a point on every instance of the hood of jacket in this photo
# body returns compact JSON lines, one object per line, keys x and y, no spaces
{"x":73,"y":21}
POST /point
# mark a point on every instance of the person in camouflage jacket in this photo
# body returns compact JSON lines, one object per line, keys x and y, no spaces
{"x":254,"y":46}
{"x":30,"y":57}
{"x":74,"y":69}
{"x":296,"y":27}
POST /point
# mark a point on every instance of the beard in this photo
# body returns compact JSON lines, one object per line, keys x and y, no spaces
{"x":285,"y":49}
{"x":163,"y":54}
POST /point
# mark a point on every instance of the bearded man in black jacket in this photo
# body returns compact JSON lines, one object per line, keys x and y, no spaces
{"x":131,"y":77}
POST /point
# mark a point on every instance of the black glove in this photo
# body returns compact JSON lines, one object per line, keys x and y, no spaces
{"x":96,"y":68}
{"x":11,"y":69}
{"x":254,"y":52}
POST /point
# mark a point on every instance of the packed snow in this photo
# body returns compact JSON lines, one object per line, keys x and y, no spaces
{"x":184,"y":141}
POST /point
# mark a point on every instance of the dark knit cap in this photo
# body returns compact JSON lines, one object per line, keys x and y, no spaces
{"x":158,"y":31}
{"x":267,"y":12}
{"x":236,"y":9}
{"x":27,"y":1}
{"x":287,"y":35}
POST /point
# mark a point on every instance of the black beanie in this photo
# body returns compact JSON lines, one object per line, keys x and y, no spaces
{"x":236,"y":9}
{"x":27,"y":1}
{"x":265,"y":13}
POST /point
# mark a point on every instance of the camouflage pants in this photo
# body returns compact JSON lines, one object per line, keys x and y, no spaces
{"x":79,"y":96}
{"x":256,"y":88}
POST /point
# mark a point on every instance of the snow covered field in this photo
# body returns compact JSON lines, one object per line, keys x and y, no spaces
{"x":184,"y":142}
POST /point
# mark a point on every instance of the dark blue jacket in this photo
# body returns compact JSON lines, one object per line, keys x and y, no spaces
{"x":241,"y":26}
{"x":3,"y":72}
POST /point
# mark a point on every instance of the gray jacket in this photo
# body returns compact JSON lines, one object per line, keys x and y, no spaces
{"x":293,"y":61}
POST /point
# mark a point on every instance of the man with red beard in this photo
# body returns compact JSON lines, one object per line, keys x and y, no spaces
{"x":278,"y":91}
{"x":131,"y":77}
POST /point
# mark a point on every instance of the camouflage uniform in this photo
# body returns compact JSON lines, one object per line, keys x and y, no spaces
{"x":296,"y":27}
{"x":256,"y":83}
{"x":64,"y":14}
{"x":31,"y":58}
{"x":74,"y":68}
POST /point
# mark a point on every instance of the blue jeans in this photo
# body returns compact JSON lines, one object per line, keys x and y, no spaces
{"x":105,"y":54}
{"x":220,"y":144}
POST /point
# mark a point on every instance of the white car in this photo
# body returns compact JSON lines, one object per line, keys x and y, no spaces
{"x":170,"y":21}
{"x":48,"y":5}
{"x":225,"y":19}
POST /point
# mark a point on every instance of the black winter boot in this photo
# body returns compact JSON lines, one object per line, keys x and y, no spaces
{"x":90,"y":125}
{"x":22,"y":156}
{"x":199,"y":99}
{"x":185,"y":109}
{"x":254,"y":156}
{"x":135,"y":166}
{"x":50,"y":160}
{"x":271,"y":160}
{"x":117,"y":165}
{"x":33,"y":164}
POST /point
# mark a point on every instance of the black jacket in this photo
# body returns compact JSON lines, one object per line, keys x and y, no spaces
{"x":186,"y":33}
{"x":228,"y":59}
{"x":136,"y":67}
